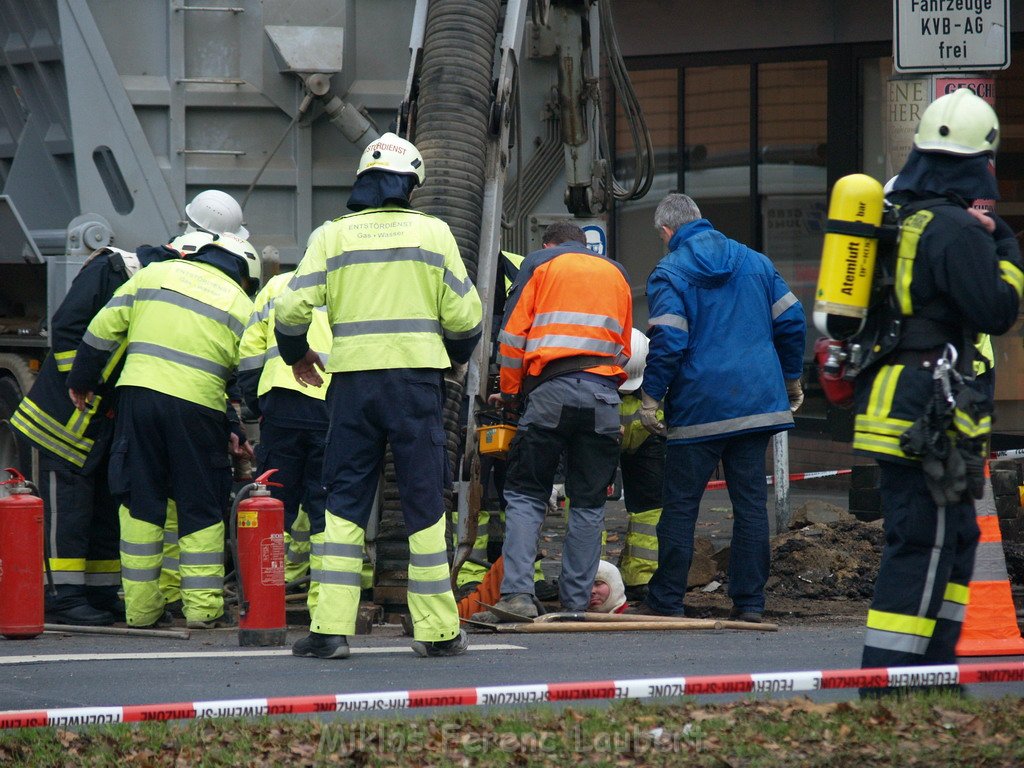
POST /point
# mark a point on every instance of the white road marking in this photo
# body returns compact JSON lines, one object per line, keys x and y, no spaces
{"x":37,"y":658}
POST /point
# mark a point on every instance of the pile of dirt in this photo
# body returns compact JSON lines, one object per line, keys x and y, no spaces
{"x":826,"y":561}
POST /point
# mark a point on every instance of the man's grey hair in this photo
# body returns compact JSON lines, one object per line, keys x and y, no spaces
{"x":675,"y":210}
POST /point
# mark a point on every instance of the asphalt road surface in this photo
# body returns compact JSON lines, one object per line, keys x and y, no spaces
{"x":61,"y":670}
{"x":58,"y":671}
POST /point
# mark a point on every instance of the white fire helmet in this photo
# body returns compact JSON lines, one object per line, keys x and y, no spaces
{"x":244,"y":250}
{"x":217,"y":212}
{"x":190,"y":242}
{"x":959,"y":123}
{"x":639,"y":345}
{"x":394,"y":154}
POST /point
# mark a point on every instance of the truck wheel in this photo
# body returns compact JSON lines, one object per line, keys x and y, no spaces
{"x":10,"y":396}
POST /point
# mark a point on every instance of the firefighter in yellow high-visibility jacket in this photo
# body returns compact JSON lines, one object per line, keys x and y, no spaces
{"x":183,"y":322}
{"x":402,"y":310}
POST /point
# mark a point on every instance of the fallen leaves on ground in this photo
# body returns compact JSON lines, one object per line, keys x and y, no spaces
{"x":935,"y":729}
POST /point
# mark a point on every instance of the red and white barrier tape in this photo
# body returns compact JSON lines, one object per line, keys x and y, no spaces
{"x":1015,"y":453}
{"x":773,"y":682}
{"x":717,"y":485}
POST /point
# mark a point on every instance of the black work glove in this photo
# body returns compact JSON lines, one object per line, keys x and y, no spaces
{"x":1007,"y":246}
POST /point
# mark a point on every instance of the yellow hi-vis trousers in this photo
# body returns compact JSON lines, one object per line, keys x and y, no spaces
{"x":170,"y":578}
{"x":431,"y":602}
{"x":201,"y":567}
{"x":640,"y":552}
{"x":297,"y":548}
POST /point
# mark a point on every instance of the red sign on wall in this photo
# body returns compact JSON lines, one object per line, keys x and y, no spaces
{"x":980,"y":86}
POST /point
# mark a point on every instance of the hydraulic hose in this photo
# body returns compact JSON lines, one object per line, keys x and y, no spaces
{"x":453,"y":115}
{"x":452,"y":134}
{"x":243,"y":493}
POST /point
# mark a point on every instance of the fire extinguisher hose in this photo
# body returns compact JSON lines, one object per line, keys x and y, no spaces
{"x":46,"y":547}
{"x":243,"y":493}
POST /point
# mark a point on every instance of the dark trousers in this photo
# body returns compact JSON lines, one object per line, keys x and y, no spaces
{"x":924,"y":544}
{"x":80,"y":523}
{"x":298,"y":456}
{"x":687,"y":471}
{"x":168,"y":448}
{"x":643,"y":475}
{"x":402,"y":408}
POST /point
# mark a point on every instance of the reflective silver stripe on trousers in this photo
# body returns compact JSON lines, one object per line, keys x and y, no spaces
{"x":170,"y":537}
{"x":101,"y":579}
{"x":308,"y":280}
{"x":385,"y":256}
{"x":456,"y":335}
{"x":70,"y":577}
{"x":783,"y":304}
{"x":896,"y":641}
{"x":342,"y":578}
{"x":144,"y":549}
{"x":731,"y":425}
{"x":201,"y":558}
{"x":933,"y":562}
{"x":644,"y":529}
{"x":170,"y":564}
{"x":642,"y":553}
{"x":331,"y":549}
{"x":202,"y":582}
{"x":578,"y":318}
{"x":301,"y":535}
{"x":140,"y":574}
{"x":435,"y":587}
{"x":182,"y":301}
{"x":296,"y":557}
{"x":363,"y":327}
{"x":428,"y":561}
{"x":672,"y":321}
{"x":517,"y":342}
{"x":952,"y":611}
{"x":182,"y":358}
{"x":574,"y":342}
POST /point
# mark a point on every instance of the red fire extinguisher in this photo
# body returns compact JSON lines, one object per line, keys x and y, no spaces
{"x":21,"y":560}
{"x":257,"y":522}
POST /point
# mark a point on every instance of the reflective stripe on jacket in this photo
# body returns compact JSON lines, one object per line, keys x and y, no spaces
{"x":46,"y":415}
{"x":394,"y":286}
{"x":183,"y":322}
{"x":950,"y":270}
{"x":726,"y":332}
{"x":260,"y":358}
{"x":566,"y":302}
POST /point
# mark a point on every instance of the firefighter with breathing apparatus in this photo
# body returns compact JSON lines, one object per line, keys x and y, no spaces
{"x":906,"y":328}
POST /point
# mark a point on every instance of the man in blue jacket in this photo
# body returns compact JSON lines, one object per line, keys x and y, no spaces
{"x":726,"y":354}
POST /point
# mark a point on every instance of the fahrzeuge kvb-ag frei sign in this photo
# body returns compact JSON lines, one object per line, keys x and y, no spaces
{"x":951,"y":35}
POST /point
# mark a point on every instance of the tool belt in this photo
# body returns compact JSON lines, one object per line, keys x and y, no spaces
{"x":562,"y":366}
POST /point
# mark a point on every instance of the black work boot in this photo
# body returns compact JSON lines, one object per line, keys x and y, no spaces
{"x":322,"y":646}
{"x":106,"y":599}
{"x":454,"y":647}
{"x":70,"y":606}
